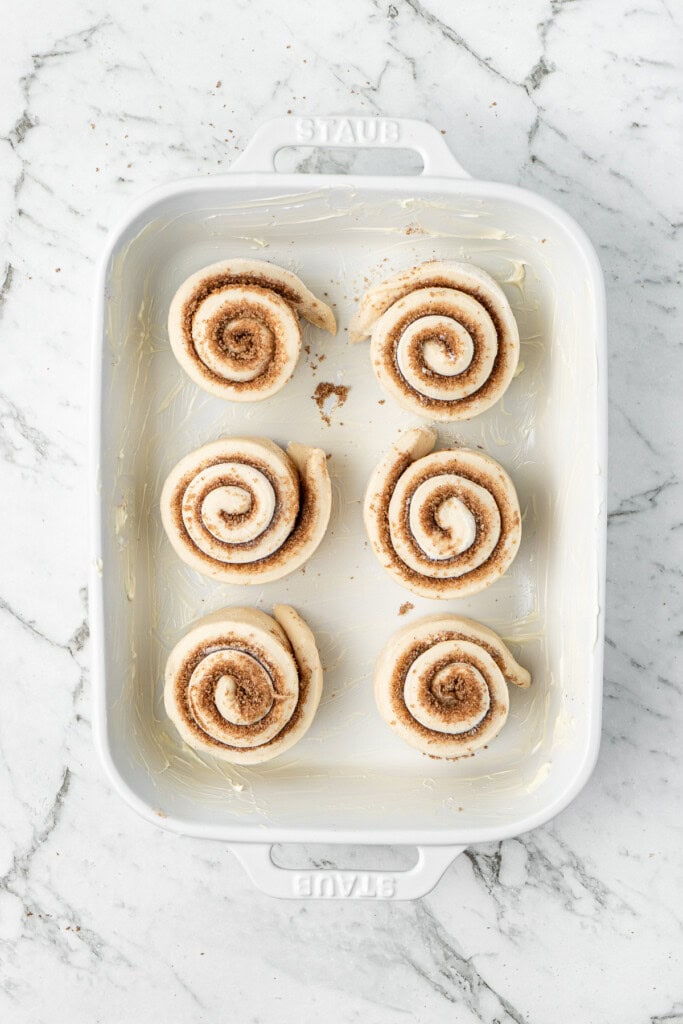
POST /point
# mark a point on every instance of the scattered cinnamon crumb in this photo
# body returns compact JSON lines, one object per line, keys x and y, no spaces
{"x":543,"y":241}
{"x":381,"y":401}
{"x":324,"y":392}
{"x":406,"y":607}
{"x":218,"y":84}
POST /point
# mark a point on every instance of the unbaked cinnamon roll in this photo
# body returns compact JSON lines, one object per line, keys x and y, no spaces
{"x":444,"y":341}
{"x":242,"y":685}
{"x":242,"y":510}
{"x":443,"y":524}
{"x":442,"y":684}
{"x":234,"y":327}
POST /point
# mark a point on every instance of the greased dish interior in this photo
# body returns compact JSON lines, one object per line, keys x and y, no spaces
{"x":350,"y":775}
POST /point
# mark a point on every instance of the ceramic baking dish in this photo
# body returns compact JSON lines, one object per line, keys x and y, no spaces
{"x":351,"y":780}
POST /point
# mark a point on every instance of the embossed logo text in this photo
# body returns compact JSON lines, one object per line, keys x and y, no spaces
{"x":344,"y":885}
{"x":347,"y":131}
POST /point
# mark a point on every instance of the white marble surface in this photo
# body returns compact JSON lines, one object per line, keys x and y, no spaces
{"x":102,"y":916}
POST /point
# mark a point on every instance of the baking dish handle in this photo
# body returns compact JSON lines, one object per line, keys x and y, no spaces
{"x":349,"y":132}
{"x":337,"y":884}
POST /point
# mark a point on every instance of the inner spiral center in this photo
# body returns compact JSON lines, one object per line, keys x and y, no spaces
{"x":437,"y":345}
{"x":445,"y":689}
{"x":222,"y":504}
{"x":230,"y":503}
{"x":456,"y":519}
{"x":234,"y":337}
{"x":433,"y":506}
{"x":243,"y":339}
{"x":458,"y":687}
{"x":447,"y":348}
{"x":243,"y":695}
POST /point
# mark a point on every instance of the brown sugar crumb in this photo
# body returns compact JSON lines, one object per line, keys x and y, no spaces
{"x":406,"y":607}
{"x":381,"y":401}
{"x":415,"y":229}
{"x":329,"y":397}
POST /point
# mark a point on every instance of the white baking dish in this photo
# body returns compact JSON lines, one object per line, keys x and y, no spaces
{"x":351,"y":780}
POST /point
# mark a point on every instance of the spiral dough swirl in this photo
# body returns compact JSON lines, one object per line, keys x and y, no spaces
{"x":234,"y":327}
{"x":441,"y":684}
{"x":241,"y":510}
{"x":242,"y":685}
{"x":444,"y":524}
{"x":444,"y":341}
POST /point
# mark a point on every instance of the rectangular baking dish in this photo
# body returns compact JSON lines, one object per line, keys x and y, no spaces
{"x":350,"y":780}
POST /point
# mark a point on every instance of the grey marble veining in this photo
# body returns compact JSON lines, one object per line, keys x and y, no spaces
{"x":103,"y":917}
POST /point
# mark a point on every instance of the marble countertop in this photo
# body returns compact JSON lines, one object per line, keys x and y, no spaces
{"x":104,"y":917}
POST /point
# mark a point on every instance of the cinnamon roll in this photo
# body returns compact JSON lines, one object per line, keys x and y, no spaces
{"x":242,"y":685}
{"x":444,"y":524}
{"x":444,"y":341}
{"x":234,"y":327}
{"x":442,"y":685}
{"x":242,"y":510}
